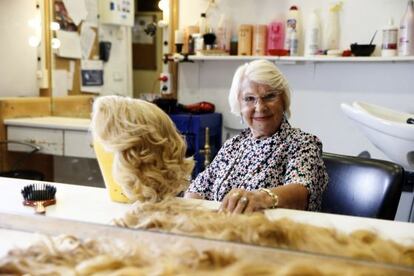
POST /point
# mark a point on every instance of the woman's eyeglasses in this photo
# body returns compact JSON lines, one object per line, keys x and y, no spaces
{"x":270,"y":97}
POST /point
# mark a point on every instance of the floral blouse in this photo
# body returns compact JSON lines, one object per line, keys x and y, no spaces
{"x":288,"y":156}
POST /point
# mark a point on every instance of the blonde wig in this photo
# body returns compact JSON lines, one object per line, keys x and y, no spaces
{"x":182,"y":217}
{"x":68,"y":255}
{"x":261,"y":72}
{"x":149,"y":153}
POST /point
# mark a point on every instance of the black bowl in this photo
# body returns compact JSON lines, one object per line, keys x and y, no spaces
{"x":362,"y":50}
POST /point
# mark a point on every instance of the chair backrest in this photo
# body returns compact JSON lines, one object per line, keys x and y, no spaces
{"x":362,"y":187}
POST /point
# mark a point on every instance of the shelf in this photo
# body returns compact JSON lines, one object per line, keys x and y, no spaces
{"x":289,"y":59}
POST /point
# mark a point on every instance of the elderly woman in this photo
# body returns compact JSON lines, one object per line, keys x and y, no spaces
{"x":270,"y":164}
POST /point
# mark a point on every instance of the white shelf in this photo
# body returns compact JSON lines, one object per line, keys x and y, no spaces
{"x":289,"y":59}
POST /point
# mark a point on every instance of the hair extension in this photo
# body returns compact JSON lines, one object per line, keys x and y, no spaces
{"x":149,"y":153}
{"x":182,"y":217}
{"x":68,"y":255}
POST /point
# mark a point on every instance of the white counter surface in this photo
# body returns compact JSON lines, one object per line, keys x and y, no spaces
{"x":90,"y":204}
{"x":53,"y":122}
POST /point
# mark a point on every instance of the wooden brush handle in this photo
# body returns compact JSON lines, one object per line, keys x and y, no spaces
{"x":39,"y":205}
{"x":40,"y":208}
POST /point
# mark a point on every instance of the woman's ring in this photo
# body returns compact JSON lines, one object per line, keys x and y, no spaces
{"x":235,"y":194}
{"x":244,"y":200}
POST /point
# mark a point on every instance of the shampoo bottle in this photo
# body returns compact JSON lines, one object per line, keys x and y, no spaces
{"x":389,"y":40}
{"x":313,"y":34}
{"x":406,"y":41}
{"x":203,"y":24}
{"x":331,"y":34}
{"x":293,"y":43}
{"x":292,"y":24}
{"x":245,"y":40}
{"x":275,"y":37}
{"x":259,"y":40}
{"x":223,"y":34}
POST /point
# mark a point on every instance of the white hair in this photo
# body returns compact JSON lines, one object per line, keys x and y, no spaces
{"x":261,"y":72}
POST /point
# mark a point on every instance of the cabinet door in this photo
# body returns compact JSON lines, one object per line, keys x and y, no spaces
{"x":49,"y":140}
{"x":78,"y":144}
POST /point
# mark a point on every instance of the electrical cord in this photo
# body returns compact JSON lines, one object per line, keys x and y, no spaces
{"x":17,"y":164}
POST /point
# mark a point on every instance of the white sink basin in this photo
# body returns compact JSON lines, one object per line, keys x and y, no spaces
{"x":387,"y":129}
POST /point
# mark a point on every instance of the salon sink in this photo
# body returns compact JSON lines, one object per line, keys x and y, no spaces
{"x":390,"y":131}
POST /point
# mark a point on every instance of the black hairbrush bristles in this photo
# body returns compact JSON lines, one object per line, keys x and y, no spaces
{"x":39,"y":196}
{"x":38,"y":192}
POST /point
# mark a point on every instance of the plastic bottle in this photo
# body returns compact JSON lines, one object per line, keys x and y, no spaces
{"x":389,"y":40}
{"x":198,"y":43}
{"x":179,"y":40}
{"x":203,"y":24}
{"x":189,"y":40}
{"x":406,"y":41}
{"x":293,"y":43}
{"x":313,"y":34}
{"x":292,"y":23}
{"x":331,"y":33}
{"x":259,"y":40}
{"x":234,"y":45}
{"x":223,"y":34}
{"x":275,"y":37}
{"x":245,"y":40}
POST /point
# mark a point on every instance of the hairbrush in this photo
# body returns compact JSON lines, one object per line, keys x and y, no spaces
{"x":39,"y":196}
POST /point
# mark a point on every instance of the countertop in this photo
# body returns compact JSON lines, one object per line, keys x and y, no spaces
{"x":91,"y":204}
{"x":54,"y":122}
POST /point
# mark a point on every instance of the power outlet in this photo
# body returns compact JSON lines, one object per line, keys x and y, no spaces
{"x":165,"y":83}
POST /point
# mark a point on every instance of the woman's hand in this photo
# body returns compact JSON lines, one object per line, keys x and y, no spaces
{"x":241,"y":201}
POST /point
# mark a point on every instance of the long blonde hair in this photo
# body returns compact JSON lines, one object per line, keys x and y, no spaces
{"x":149,"y":153}
{"x":183,"y":217}
{"x":68,"y":255}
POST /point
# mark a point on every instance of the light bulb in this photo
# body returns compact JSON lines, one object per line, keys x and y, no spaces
{"x":34,"y":41}
{"x":54,"y":26}
{"x":55,"y":43}
{"x":163,"y":5}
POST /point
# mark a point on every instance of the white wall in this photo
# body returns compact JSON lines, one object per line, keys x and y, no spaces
{"x":15,"y":50}
{"x":317,"y":88}
{"x":118,"y":69}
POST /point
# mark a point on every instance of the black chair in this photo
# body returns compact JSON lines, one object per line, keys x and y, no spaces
{"x":362,"y":187}
{"x":15,"y":172}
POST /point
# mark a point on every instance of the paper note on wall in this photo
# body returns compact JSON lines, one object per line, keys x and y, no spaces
{"x":91,"y":76}
{"x":87,"y":38}
{"x":76,"y":9}
{"x":70,"y":46}
{"x":92,"y":9}
{"x":60,"y":83}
